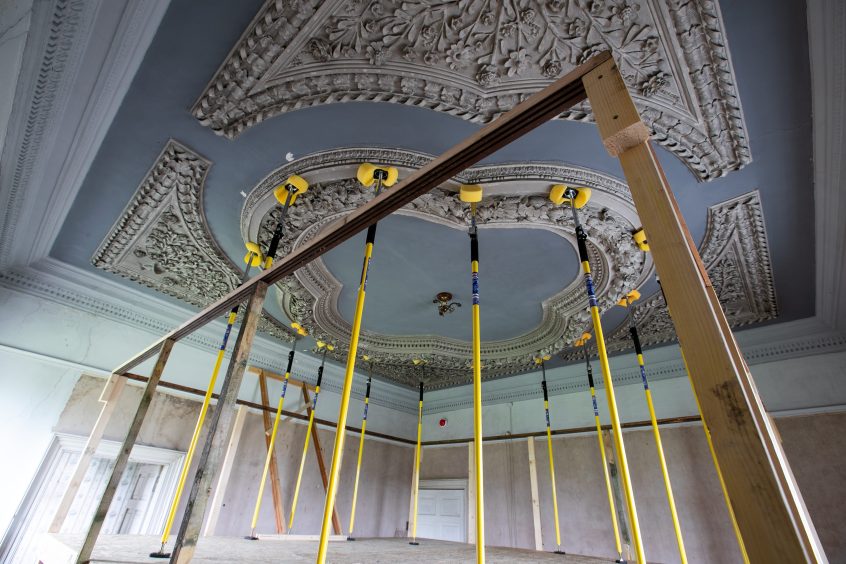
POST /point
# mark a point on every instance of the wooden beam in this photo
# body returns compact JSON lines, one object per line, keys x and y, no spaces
{"x":539,"y":108}
{"x":211,"y":459}
{"x":573,"y":431}
{"x":123,"y":455}
{"x":276,"y":488}
{"x":471,"y":492}
{"x":770,"y":511}
{"x":315,"y":439}
{"x":259,"y":407}
{"x":533,"y":483}
{"x":279,"y":377}
{"x":216,"y":504}
{"x":109,"y":397}
{"x":619,"y":500}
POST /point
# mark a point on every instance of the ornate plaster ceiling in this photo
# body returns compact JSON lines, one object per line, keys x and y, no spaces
{"x":162,"y":241}
{"x":516,"y":197}
{"x":477,"y":59}
{"x":736,"y":255}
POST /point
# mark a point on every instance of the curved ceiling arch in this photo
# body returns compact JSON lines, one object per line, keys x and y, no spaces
{"x":516,"y":196}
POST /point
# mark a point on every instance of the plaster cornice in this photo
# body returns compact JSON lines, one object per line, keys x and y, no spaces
{"x":475,"y":60}
{"x":827,"y":38}
{"x":41,"y":170}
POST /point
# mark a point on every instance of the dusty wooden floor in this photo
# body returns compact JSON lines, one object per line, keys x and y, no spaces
{"x":128,"y":549}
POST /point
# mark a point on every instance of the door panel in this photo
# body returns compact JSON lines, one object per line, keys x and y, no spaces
{"x":440,"y":515}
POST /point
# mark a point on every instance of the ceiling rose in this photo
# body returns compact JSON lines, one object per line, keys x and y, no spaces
{"x":516,"y":196}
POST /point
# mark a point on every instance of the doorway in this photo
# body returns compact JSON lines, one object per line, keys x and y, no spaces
{"x":442,"y":510}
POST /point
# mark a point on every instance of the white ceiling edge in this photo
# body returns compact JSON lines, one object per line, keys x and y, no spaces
{"x":65,"y":102}
{"x":827,"y":47}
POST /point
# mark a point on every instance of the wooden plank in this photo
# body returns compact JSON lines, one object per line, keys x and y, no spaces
{"x":123,"y":456}
{"x":109,"y":397}
{"x":573,"y":431}
{"x":315,"y":439}
{"x":216,"y":504}
{"x":533,"y":483}
{"x":471,"y":493}
{"x":523,"y":118}
{"x":279,"y":377}
{"x":211,"y":459}
{"x":259,"y":407}
{"x":619,"y":501}
{"x":276,"y":489}
{"x":770,"y":512}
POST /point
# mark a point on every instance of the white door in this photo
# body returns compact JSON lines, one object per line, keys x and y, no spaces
{"x":440,"y":515}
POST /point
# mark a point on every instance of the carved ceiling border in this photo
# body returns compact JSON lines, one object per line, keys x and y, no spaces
{"x":736,"y":255}
{"x":161,"y":239}
{"x":479,"y":62}
{"x":311,"y":296}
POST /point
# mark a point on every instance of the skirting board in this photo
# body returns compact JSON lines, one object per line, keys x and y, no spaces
{"x":299,"y":537}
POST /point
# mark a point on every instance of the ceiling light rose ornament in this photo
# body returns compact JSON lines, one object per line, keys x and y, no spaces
{"x":445,"y":303}
{"x":491,"y":55}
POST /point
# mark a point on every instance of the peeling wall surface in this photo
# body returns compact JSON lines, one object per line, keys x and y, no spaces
{"x":814,"y":444}
{"x":382,"y":506}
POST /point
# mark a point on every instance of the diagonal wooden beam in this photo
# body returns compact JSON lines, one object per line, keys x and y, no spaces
{"x":315,"y":439}
{"x":275,"y":487}
{"x":770,"y":511}
{"x":123,"y":455}
{"x":539,"y":108}
{"x":211,"y":458}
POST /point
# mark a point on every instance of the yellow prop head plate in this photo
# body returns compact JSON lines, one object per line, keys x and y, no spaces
{"x":632,"y":296}
{"x":558,"y":195}
{"x":586,"y":337}
{"x":281,"y":191}
{"x":640,"y":239}
{"x":366,"y":174}
{"x":253,"y":256}
{"x":470,"y":193}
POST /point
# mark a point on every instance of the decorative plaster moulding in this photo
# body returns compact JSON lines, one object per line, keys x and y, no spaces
{"x":476,"y":60}
{"x":161,"y":239}
{"x":736,"y":255}
{"x":515,"y":197}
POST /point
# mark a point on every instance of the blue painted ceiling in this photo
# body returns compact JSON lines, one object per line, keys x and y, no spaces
{"x":416,"y":258}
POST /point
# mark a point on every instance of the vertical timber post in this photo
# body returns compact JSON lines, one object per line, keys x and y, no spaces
{"x":771,"y":513}
{"x":123,"y":455}
{"x":275,"y":486}
{"x":109,"y":397}
{"x":211,"y":459}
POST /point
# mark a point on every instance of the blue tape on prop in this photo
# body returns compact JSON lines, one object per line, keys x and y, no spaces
{"x":284,"y":387}
{"x":475,"y":288}
{"x":226,"y":336}
{"x":643,"y":377}
{"x":366,"y":405}
{"x":595,"y":409}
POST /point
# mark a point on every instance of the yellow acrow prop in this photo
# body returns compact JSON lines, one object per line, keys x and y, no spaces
{"x":342,"y":414}
{"x":358,"y":469}
{"x":477,"y":431}
{"x":302,"y":461}
{"x":733,"y":517}
{"x":198,"y":427}
{"x":268,"y":458}
{"x":416,"y":484}
{"x":281,"y":192}
{"x":616,"y":428}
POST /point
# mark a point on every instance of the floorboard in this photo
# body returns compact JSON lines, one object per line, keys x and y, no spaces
{"x":133,"y":549}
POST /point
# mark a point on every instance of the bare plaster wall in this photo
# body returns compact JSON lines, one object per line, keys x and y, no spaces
{"x":815,"y":446}
{"x":382,"y":506}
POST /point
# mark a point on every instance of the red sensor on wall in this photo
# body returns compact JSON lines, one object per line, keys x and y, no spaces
{"x":442,"y":422}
